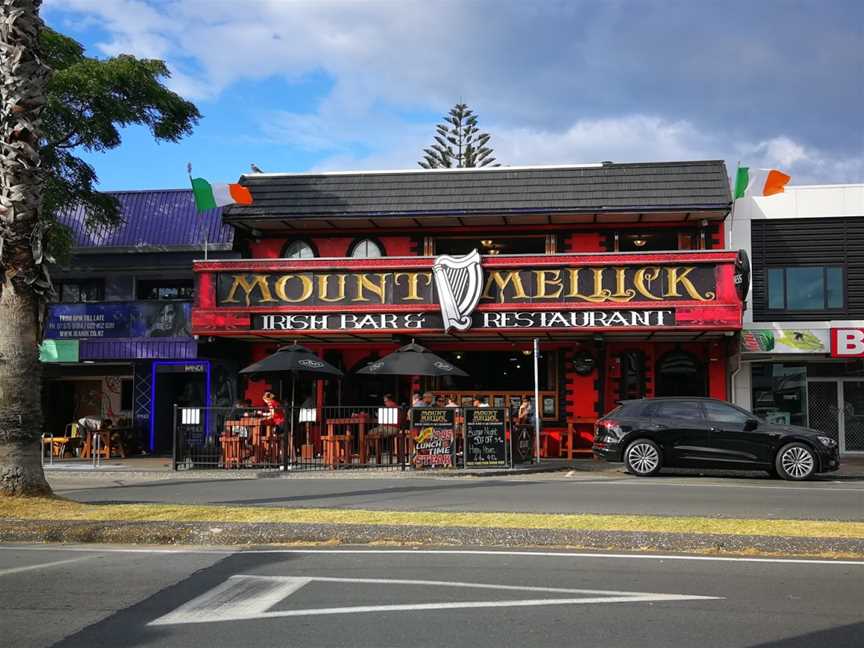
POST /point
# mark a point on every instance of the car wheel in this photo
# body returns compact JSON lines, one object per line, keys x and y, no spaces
{"x":643,"y":458}
{"x":795,"y":462}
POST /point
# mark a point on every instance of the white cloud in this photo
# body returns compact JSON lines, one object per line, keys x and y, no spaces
{"x":544,"y":78}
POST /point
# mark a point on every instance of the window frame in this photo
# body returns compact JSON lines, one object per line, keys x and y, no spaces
{"x":306,"y":241}
{"x":98,"y":283}
{"x":825,"y":293}
{"x":161,"y":284}
{"x":364,"y":239}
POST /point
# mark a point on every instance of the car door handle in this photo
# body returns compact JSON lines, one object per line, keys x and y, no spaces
{"x":713,"y":429}
{"x":657,"y":426}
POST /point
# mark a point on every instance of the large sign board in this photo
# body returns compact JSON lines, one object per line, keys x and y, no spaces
{"x":485,"y":436}
{"x":590,"y":319}
{"x":433,"y":445}
{"x":589,"y":285}
{"x":784,"y":340}
{"x":697,"y":290}
{"x":118,"y":320}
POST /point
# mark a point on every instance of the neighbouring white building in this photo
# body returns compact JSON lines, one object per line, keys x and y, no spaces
{"x":801,"y":359}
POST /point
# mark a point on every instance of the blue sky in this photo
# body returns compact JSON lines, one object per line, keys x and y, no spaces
{"x":326,"y":85}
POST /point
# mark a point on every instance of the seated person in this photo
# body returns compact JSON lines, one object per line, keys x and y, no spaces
{"x":242,"y":408}
{"x":388,"y":418}
{"x":451,"y":401}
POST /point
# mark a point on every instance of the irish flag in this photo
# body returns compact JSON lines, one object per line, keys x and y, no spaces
{"x":211,"y":196}
{"x":759,"y":182}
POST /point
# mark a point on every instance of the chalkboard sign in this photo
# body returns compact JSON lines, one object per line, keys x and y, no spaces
{"x":523,"y":443}
{"x":485,"y":439}
{"x":434,"y":427}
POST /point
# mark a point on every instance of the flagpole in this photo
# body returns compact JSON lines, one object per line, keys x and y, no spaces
{"x":189,"y":173}
{"x":732,"y":212}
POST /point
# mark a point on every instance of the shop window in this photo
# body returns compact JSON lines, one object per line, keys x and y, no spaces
{"x":165,"y":289}
{"x":366,"y":249}
{"x":680,"y":374}
{"x":632,"y":378}
{"x":805,"y":288}
{"x":298,"y":249}
{"x":81,"y":291}
{"x":492,"y":245}
{"x":780,"y":393}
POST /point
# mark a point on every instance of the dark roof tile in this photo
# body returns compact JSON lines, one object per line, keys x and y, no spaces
{"x":656,"y":185}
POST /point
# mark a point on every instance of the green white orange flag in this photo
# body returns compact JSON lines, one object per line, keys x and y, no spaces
{"x":211,"y":196}
{"x":759,"y":182}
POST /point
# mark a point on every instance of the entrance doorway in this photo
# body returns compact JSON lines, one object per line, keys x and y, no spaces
{"x":181,"y":383}
{"x":680,"y":374}
{"x":836,"y":407}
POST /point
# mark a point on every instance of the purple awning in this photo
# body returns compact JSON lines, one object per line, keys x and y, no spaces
{"x":138,"y":349}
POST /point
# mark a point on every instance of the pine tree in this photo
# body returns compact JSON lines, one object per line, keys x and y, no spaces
{"x":458,"y":143}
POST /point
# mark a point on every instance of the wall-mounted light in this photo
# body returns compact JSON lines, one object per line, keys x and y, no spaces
{"x":486,"y":242}
{"x":493,"y":251}
{"x":639,"y":242}
{"x":526,"y":352}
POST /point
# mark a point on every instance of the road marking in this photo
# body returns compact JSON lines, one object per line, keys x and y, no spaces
{"x":813,"y":489}
{"x":246,"y":597}
{"x":18,"y":570}
{"x":439,"y":552}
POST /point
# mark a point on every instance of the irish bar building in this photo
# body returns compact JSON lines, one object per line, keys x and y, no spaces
{"x":619,"y":270}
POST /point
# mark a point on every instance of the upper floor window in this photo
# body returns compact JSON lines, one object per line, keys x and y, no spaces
{"x":298,"y":249}
{"x":366,"y":249}
{"x":805,"y":288}
{"x":656,"y":240}
{"x":165,"y":289}
{"x":492,"y":245}
{"x":81,"y":290}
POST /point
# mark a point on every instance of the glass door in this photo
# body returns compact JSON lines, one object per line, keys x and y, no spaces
{"x":853,"y":416}
{"x":823,"y":407}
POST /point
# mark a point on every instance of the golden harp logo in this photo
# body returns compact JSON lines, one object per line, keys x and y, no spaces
{"x":459,"y":281}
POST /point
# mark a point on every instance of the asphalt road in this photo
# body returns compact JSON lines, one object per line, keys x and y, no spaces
{"x":756,"y":497}
{"x":377,"y":598}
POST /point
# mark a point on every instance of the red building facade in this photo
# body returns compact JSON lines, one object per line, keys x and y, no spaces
{"x":618,"y":270}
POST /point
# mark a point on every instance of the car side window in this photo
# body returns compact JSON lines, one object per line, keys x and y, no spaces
{"x":720,"y":413}
{"x":684,"y":410}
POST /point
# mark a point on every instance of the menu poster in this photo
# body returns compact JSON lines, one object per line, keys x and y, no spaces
{"x":523,"y":443}
{"x":485,"y":439}
{"x":433,"y":446}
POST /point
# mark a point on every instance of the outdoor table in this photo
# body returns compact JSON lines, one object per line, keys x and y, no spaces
{"x":104,"y":444}
{"x":334,"y":439}
{"x":257,"y":441}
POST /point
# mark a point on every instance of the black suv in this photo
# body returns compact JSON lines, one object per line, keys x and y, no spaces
{"x":653,"y":433}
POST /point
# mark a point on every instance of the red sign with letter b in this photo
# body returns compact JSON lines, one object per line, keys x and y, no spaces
{"x":847,"y":343}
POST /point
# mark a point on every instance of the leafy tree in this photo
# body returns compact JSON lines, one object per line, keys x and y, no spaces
{"x":88,"y":101}
{"x":54,"y":100}
{"x":458,"y":143}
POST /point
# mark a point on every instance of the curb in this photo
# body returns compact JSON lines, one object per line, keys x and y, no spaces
{"x":245,"y":534}
{"x":192,"y":475}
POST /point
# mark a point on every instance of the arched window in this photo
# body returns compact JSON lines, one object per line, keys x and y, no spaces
{"x":366,"y":249}
{"x":680,"y":374}
{"x":298,"y":249}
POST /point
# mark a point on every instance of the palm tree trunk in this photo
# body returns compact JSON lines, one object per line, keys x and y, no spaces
{"x":23,"y":78}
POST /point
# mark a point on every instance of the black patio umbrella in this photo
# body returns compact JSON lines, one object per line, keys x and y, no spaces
{"x":412,"y":360}
{"x":294,"y":360}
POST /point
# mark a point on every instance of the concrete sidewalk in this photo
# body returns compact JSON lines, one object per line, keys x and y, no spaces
{"x":156,"y":468}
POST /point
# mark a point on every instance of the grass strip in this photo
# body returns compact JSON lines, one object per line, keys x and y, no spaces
{"x":60,"y":509}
